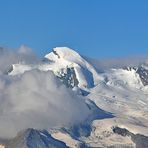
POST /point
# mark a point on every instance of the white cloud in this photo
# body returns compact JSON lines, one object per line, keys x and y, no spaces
{"x":9,"y":56}
{"x":37,"y":99}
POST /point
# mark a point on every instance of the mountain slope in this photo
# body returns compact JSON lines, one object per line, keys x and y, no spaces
{"x":31,"y":138}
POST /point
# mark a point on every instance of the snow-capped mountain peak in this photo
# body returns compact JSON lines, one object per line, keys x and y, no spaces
{"x":63,"y":53}
{"x":64,"y":57}
{"x":66,"y":64}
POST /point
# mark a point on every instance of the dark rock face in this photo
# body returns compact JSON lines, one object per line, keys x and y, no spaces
{"x":129,"y":68}
{"x":8,"y":70}
{"x":141,"y":141}
{"x":56,"y":53}
{"x":143,"y":74}
{"x":69,"y":78}
{"x":121,"y":131}
{"x":142,"y":71}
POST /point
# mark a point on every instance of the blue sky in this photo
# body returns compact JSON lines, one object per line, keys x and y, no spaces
{"x":95,"y":28}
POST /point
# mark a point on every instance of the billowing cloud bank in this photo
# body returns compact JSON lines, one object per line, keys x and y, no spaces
{"x":36,"y":99}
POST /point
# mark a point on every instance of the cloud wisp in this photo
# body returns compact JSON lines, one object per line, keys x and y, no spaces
{"x":9,"y":57}
{"x":117,"y":62}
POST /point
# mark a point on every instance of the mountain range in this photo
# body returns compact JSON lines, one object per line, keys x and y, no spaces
{"x":116,"y":99}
